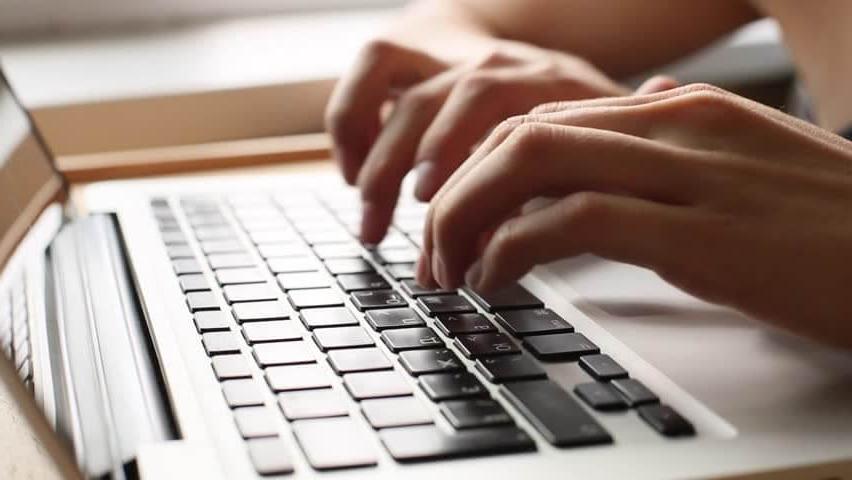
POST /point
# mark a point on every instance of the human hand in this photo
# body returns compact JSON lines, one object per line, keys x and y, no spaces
{"x":439,"y":112}
{"x":730,"y":200}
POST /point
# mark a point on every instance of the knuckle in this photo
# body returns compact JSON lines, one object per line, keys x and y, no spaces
{"x":494,"y":58}
{"x":528,"y":140}
{"x":417,"y":101}
{"x":479,"y":84}
{"x":380,"y":48}
{"x":583,"y":210}
{"x":551,"y":107}
{"x":506,"y":242}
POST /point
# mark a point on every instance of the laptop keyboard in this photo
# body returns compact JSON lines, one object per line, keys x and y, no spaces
{"x":312,"y":303}
{"x":14,"y":330}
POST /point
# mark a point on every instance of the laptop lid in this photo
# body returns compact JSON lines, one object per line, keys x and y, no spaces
{"x":28,"y":180}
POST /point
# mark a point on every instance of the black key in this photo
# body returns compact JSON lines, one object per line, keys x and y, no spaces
{"x":418,"y":362}
{"x":485,"y":345}
{"x":602,"y":367}
{"x":560,"y":346}
{"x":303,"y":280}
{"x":327,"y":317}
{"x":314,"y":297}
{"x":438,"y":304}
{"x":401,"y":271}
{"x":413,"y":289}
{"x":441,"y":387}
{"x":287,"y":378}
{"x":186,"y":265}
{"x":456,"y":324}
{"x":221,"y":246}
{"x":555,"y":413}
{"x":372,"y":299}
{"x":269,"y":456}
{"x":219,"y":343}
{"x":230,"y":260}
{"x":411,"y":338}
{"x":376,"y":384}
{"x":423,"y":443}
{"x":231,"y":366}
{"x":509,"y":298}
{"x":202,"y":301}
{"x":475,"y":413}
{"x":358,"y":360}
{"x":242,"y":393}
{"x":505,"y":368}
{"x":395,"y":412}
{"x":600,"y":396}
{"x":665,"y":420}
{"x":179,"y":251}
{"x":255,"y":422}
{"x":233,"y":276}
{"x":259,"y":311}
{"x":292,"y":264}
{"x":342,"y":266}
{"x":252,"y":292}
{"x":282,"y":353}
{"x":334,"y":443}
{"x":194,"y":282}
{"x":533,"y":322}
{"x":634,"y":391}
{"x":394,"y":318}
{"x":342,"y":337}
{"x":210,"y":321}
{"x":322,"y":403}
{"x":271,"y":331}
{"x":362,"y":281}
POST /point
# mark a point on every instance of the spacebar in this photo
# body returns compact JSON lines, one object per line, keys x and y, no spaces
{"x":417,"y":444}
{"x":555,"y":413}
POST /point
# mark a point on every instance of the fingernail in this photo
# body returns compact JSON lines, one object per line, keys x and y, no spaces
{"x":424,"y":180}
{"x":474,"y":275}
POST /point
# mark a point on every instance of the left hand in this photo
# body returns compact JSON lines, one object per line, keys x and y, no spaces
{"x":728,"y":199}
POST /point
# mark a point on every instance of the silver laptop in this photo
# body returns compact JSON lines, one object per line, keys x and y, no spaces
{"x":231,"y":326}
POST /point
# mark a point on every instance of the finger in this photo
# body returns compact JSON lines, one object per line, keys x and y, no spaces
{"x":656,"y":84}
{"x":352,"y":115}
{"x":623,"y":229}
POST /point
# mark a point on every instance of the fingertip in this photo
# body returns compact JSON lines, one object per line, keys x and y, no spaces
{"x":375,"y":220}
{"x":423,"y":190}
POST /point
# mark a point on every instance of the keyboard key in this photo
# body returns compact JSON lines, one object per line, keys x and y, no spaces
{"x":219,"y":343}
{"x":376,"y":384}
{"x":304,"y":404}
{"x":401,"y":271}
{"x":393,"y":318}
{"x":242,"y":393}
{"x":184,"y":266}
{"x":252,"y":292}
{"x":255,"y":422}
{"x":292,"y":264}
{"x":269,"y":456}
{"x":505,"y":368}
{"x":179,"y":251}
{"x":414,"y":444}
{"x":303,"y":280}
{"x":411,"y":338}
{"x":560,"y":346}
{"x":485,"y":344}
{"x":475,"y":413}
{"x":555,"y":413}
{"x":397,"y":255}
{"x":602,"y":367}
{"x":283,"y":353}
{"x":372,"y":299}
{"x":296,"y":377}
{"x":413,"y":289}
{"x":194,"y":282}
{"x":395,"y":412}
{"x":342,"y":337}
{"x":273,"y":250}
{"x":210,"y":321}
{"x":335,"y":443}
{"x":462,"y":323}
{"x":202,"y":301}
{"x":215,"y":233}
{"x":634,"y":392}
{"x":348,"y":265}
{"x":418,"y":362}
{"x":173,"y":238}
{"x":273,"y":236}
{"x":230,"y":260}
{"x":231,"y":366}
{"x":438,"y":304}
{"x":327,"y":317}
{"x":259,"y":311}
{"x":665,"y":420}
{"x":315,"y":297}
{"x":358,"y":360}
{"x":233,"y":276}
{"x":338,"y":250}
{"x":509,"y":298}
{"x":445,"y":386}
{"x":221,"y":246}
{"x":362,"y":281}
{"x":271,"y":331}
{"x":600,"y":396}
{"x":533,"y":322}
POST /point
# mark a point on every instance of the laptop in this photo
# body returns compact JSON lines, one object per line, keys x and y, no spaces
{"x":231,"y":326}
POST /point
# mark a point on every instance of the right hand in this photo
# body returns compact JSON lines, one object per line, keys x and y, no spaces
{"x":440,"y":111}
